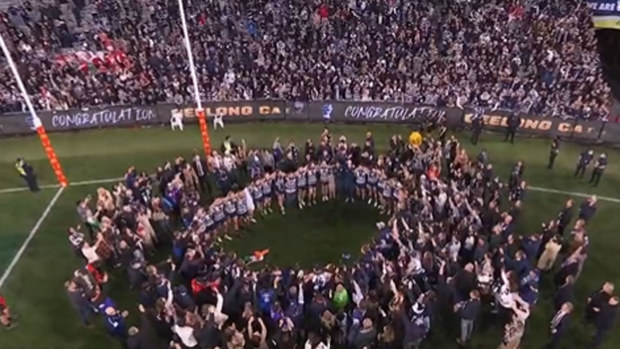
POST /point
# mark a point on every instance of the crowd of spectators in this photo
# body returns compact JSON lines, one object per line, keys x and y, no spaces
{"x":537,"y":57}
{"x":449,"y":246}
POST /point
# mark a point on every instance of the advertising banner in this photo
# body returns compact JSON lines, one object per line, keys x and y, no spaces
{"x":541,"y":126}
{"x":99,"y":117}
{"x":325,"y":111}
{"x":605,"y":13}
{"x":232,"y":111}
{"x":380,"y":112}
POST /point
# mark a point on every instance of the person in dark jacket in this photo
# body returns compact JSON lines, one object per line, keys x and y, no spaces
{"x":468,"y":311}
{"x":26,"y":171}
{"x":588,"y":208}
{"x":514,"y":121}
{"x":585,"y":158}
{"x":604,"y":320}
{"x":598,"y":300}
{"x":477,"y":124}
{"x":564,"y":293}
{"x":565,"y":216}
{"x":560,"y":324}
{"x":554,"y":151}
{"x":599,"y":168}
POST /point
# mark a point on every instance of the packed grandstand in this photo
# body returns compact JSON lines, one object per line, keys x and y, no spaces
{"x":534,"y":57}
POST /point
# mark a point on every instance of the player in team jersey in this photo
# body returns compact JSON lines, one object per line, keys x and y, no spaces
{"x":290,"y":189}
{"x":386,"y":196}
{"x":209,"y":222}
{"x":219,"y":216}
{"x":372,"y":180}
{"x":360,"y":182}
{"x":256,"y":191}
{"x":280,"y":187}
{"x":302,"y":186}
{"x":230,"y":207}
{"x":331,"y":175}
{"x":266,"y":187}
{"x":313,"y":179}
{"x":324,"y":173}
{"x":243,"y":213}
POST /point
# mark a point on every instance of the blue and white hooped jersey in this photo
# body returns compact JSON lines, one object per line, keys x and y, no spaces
{"x":257,"y":192}
{"x":266,"y":187}
{"x":324,"y":173}
{"x":280,"y":183}
{"x":242,"y":206}
{"x":312,"y":176}
{"x":290,"y":186}
{"x":230,"y":206}
{"x":373,"y":177}
{"x":302,"y":179}
{"x":360,"y":175}
{"x":208,"y":220}
{"x":218,"y":213}
{"x":387,"y":189}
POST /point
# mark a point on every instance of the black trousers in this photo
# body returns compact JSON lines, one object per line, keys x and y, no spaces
{"x":580,"y":171}
{"x":31,"y":182}
{"x":475,"y":136}
{"x":552,"y":157}
{"x":510,"y":134}
{"x":596,"y":177}
{"x":555,"y":341}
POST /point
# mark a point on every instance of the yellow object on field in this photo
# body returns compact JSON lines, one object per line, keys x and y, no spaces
{"x":415,"y":138}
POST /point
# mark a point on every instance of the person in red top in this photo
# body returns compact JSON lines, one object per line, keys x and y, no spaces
{"x":5,"y":314}
{"x":433,"y":172}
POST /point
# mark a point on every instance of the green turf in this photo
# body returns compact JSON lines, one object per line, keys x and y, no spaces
{"x":321,"y":233}
{"x":35,"y":287}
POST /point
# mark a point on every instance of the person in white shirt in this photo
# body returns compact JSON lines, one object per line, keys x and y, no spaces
{"x":90,"y":252}
{"x":228,"y":161}
{"x":176,"y":120}
{"x":218,"y":121}
{"x":185,"y":333}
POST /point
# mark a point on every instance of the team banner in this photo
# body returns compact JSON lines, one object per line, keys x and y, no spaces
{"x":541,"y":126}
{"x":230,"y":111}
{"x":325,"y":112}
{"x":605,"y":13}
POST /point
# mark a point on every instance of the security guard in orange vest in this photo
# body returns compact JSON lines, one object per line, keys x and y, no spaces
{"x":27,"y":173}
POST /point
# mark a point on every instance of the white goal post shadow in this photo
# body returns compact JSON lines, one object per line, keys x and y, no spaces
{"x":52,"y":202}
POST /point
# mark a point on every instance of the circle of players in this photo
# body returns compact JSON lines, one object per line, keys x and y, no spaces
{"x":447,"y":247}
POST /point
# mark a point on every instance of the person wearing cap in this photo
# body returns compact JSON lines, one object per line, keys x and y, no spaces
{"x":584,"y":160}
{"x":599,"y":168}
{"x":26,"y":171}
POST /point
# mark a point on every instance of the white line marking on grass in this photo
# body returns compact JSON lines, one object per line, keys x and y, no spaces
{"x":572,"y":193}
{"x":54,"y":186}
{"x":31,"y":235}
{"x":96,"y":181}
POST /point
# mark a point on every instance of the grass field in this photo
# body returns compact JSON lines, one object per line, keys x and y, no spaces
{"x":35,"y":287}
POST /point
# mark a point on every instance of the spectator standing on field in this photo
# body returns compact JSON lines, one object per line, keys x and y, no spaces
{"x":554,"y":151}
{"x":468,"y":311}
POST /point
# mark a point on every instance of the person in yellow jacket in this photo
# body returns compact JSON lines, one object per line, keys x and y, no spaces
{"x":26,"y":172}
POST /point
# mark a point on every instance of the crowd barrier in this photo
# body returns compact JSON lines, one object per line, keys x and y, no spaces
{"x":326,"y":111}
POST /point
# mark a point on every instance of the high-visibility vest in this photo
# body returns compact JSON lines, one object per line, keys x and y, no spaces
{"x":19,"y":166}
